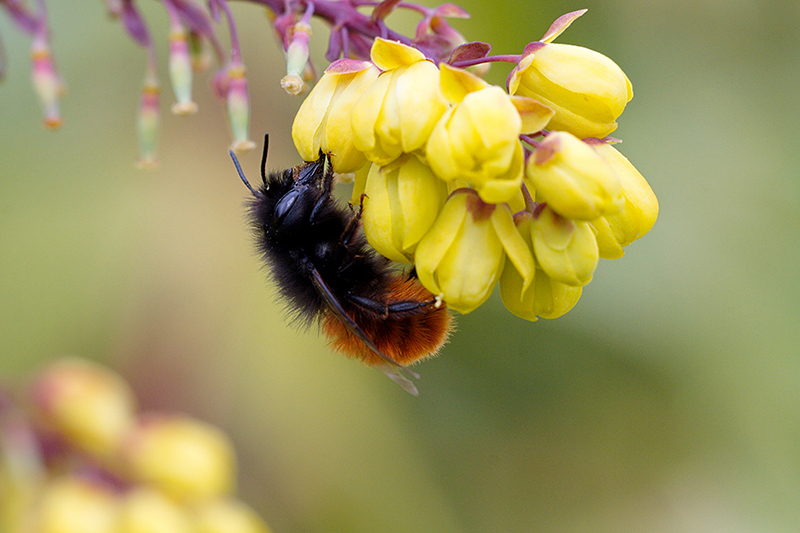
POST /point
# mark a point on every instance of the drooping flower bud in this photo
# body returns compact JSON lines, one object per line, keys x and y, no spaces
{"x":85,"y":403}
{"x":228,"y":516}
{"x":586,"y":89}
{"x":296,"y":59}
{"x":239,"y":107}
{"x":565,"y":249}
{"x":71,"y":504}
{"x":461,"y":257}
{"x":324,"y":121}
{"x":146,"y":510}
{"x":638,"y":215}
{"x":46,"y":81}
{"x":185,"y":458}
{"x":402,"y":202}
{"x":542,"y":296}
{"x":148,"y":122}
{"x":573,"y":178}
{"x":397,"y":113}
{"x":477,"y":140}
{"x":180,"y":71}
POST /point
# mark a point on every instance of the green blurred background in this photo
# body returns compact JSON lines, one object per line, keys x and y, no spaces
{"x":667,"y":400}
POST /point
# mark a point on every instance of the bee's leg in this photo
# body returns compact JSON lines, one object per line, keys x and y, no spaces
{"x":327,"y":191}
{"x":385,"y":310}
{"x":352,"y":226}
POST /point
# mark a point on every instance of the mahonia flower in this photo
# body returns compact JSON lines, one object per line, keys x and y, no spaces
{"x":637,"y":216}
{"x":587,"y":91}
{"x":402,"y":202}
{"x":186,"y":458}
{"x":397,"y":113}
{"x":86,"y":460}
{"x":573,"y":178}
{"x":477,"y":140}
{"x":565,"y":249}
{"x":72,"y":503}
{"x":147,"y":509}
{"x":461,"y":257}
{"x":530,"y":296}
{"x":92,"y":407}
{"x":324,"y":121}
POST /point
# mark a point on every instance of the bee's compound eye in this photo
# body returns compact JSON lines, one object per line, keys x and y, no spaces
{"x":284,"y":206}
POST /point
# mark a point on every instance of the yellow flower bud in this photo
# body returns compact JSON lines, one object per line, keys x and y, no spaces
{"x":573,"y":178}
{"x":477,"y":140}
{"x":85,"y":403}
{"x":543,"y":297}
{"x":185,"y":458}
{"x":146,"y":510}
{"x":228,"y":516}
{"x":403,"y":200}
{"x":637,"y":216}
{"x":323,"y":122}
{"x":73,"y":505}
{"x":396,"y":114}
{"x":462,"y":255}
{"x":586,"y":89}
{"x":565,"y":249}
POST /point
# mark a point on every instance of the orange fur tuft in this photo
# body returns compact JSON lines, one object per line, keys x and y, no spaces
{"x":403,"y":337}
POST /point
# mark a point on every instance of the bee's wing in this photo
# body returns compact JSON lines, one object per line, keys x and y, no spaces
{"x":391,"y":368}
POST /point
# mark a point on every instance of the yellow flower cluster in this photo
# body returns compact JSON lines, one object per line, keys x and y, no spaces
{"x":84,"y":460}
{"x":450,"y":165}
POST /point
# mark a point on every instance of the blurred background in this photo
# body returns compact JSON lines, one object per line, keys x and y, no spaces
{"x":667,"y":400}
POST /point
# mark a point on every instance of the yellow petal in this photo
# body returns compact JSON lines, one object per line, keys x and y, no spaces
{"x":514,"y":245}
{"x":388,"y":55}
{"x":456,"y":83}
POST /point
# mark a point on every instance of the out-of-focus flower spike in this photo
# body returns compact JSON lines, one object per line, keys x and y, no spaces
{"x":561,"y":24}
{"x":199,"y":52}
{"x":45,"y":78}
{"x":134,"y":25}
{"x":180,"y":69}
{"x":220,"y":83}
{"x":149,"y":115}
{"x":297,"y":58}
{"x":235,"y":85}
{"x":114,"y":7}
{"x":239,"y":108}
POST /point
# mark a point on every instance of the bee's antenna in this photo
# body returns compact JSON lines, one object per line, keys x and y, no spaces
{"x":241,"y":174}
{"x":264,"y":158}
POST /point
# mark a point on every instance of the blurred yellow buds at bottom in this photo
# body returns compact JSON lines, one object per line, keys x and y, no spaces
{"x":185,"y":458}
{"x":639,"y":213}
{"x":462,"y":255}
{"x":228,"y":516}
{"x":324,"y":120}
{"x":573,"y":178}
{"x":565,"y":249}
{"x":402,"y":203}
{"x":146,"y":510}
{"x":85,"y":402}
{"x":74,"y":505}
{"x":544,"y":297}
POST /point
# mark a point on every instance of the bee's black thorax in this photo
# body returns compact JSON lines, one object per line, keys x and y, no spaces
{"x":300,"y":227}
